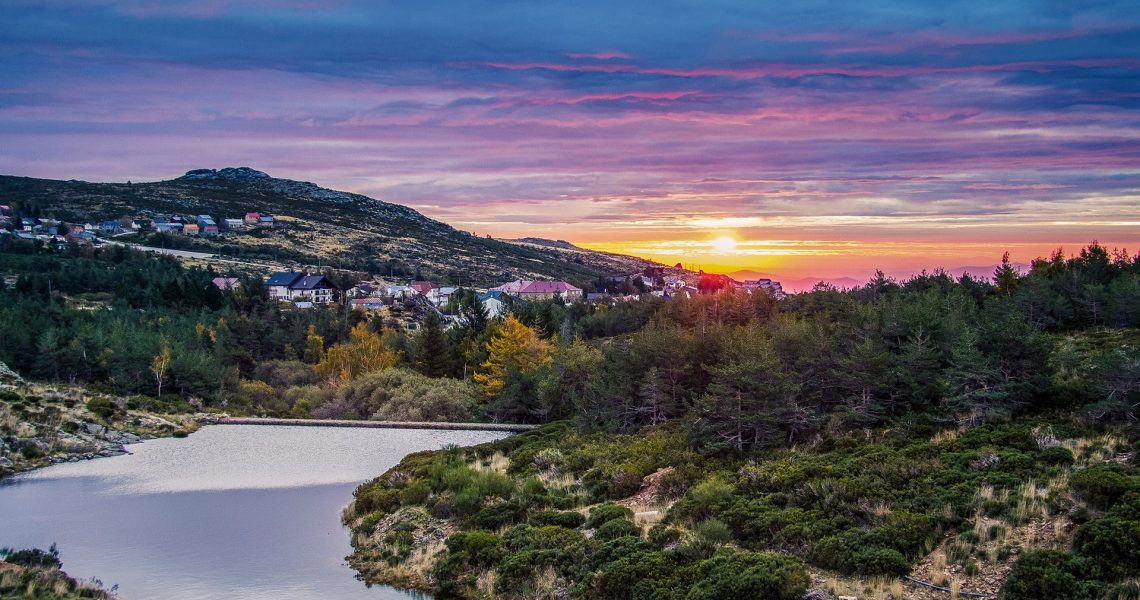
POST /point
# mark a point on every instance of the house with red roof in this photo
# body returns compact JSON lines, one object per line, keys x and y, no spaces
{"x":540,"y":290}
{"x":422,"y":287}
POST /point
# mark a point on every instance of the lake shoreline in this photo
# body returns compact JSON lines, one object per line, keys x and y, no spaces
{"x":445,"y":426}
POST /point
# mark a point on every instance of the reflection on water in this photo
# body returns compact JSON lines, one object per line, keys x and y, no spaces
{"x":235,"y":511}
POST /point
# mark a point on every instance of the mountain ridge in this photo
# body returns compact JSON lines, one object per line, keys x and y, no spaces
{"x":315,"y":225}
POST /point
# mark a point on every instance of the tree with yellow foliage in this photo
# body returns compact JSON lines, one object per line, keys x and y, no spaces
{"x":364,"y":352}
{"x":513,"y":347}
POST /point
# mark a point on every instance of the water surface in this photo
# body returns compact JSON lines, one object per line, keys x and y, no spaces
{"x":238,"y":512}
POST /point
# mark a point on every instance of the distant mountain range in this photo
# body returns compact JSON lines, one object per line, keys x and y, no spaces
{"x":318,"y":225}
{"x":801,"y":284}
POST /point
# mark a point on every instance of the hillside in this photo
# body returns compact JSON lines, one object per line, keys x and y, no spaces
{"x":315,"y":224}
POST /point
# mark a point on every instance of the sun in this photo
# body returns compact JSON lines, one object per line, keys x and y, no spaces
{"x":724,"y":244}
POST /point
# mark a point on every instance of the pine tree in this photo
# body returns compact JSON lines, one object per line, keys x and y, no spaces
{"x":432,"y":352}
{"x":1006,"y":277}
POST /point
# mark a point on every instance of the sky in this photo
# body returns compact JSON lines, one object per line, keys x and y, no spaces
{"x":793,"y":138}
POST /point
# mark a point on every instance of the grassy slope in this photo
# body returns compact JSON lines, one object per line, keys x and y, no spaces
{"x":952,"y":506}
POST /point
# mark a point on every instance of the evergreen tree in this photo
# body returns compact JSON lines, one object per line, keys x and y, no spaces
{"x":431,"y":349}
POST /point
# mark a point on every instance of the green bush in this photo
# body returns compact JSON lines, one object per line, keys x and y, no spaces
{"x":103,"y":407}
{"x":617,"y":528}
{"x":1055,"y":456}
{"x":498,"y":515}
{"x":746,"y":574}
{"x":372,"y":498}
{"x":880,"y":561}
{"x":604,"y":513}
{"x":567,"y":519}
{"x":415,"y":492}
{"x":1042,"y":575}
{"x":1113,"y":544}
{"x":1102,"y":485}
{"x":475,"y":547}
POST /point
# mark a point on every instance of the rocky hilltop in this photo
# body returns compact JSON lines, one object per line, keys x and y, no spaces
{"x":314,"y":225}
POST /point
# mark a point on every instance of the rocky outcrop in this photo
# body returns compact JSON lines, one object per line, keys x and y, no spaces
{"x":47,"y":427}
{"x":8,"y":376}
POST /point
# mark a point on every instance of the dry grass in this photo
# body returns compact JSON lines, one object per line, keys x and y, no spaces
{"x":485,"y":583}
{"x":547,"y":584}
{"x":946,"y":435}
{"x":955,"y":589}
{"x":557,"y":481}
{"x":497,"y":462}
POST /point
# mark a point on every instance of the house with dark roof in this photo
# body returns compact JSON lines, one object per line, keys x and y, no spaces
{"x":362,"y":290}
{"x":292,"y":286}
{"x":279,"y":283}
{"x":313,"y":288}
{"x":207,"y":225}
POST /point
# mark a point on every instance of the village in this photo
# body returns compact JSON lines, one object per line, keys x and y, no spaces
{"x":404,"y":300}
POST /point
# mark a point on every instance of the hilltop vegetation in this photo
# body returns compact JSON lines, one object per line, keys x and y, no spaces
{"x":314,"y":225}
{"x":35,"y":574}
{"x":971,"y":433}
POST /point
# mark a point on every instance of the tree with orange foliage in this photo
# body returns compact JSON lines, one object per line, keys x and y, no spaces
{"x":364,"y":352}
{"x":513,"y":347}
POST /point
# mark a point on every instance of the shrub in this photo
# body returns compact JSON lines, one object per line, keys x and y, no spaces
{"x":617,"y":528}
{"x":1102,"y":485}
{"x":604,"y":513}
{"x":103,"y":408}
{"x":33,"y":558}
{"x":880,"y":561}
{"x":567,"y":519}
{"x":371,"y":498}
{"x":415,"y":492}
{"x":1041,"y":575}
{"x":499,"y":515}
{"x":662,"y":535}
{"x":746,"y":574}
{"x":475,"y":547}
{"x":1055,"y":456}
{"x":1113,"y":544}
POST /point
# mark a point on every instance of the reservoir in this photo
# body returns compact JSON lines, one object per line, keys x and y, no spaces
{"x":241,"y":512}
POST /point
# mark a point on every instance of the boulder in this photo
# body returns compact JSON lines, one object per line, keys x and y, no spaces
{"x":9,"y":376}
{"x":94,"y":428}
{"x":5,"y":462}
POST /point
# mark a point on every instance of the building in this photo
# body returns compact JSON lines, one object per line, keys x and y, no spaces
{"x":362,"y":290}
{"x":368,"y":303}
{"x":540,"y":290}
{"x":251,"y":219}
{"x":441,"y":295}
{"x":279,"y":283}
{"x":292,"y":286}
{"x":206,"y":225}
{"x":265,"y":221}
{"x":225,"y":283}
{"x":313,"y":288}
{"x":168,"y":227}
{"x":493,"y":302}
{"x":772,"y":287}
{"x":190,"y":229}
{"x":422,"y":287}
{"x":399,"y":291}
{"x":233,"y":224}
